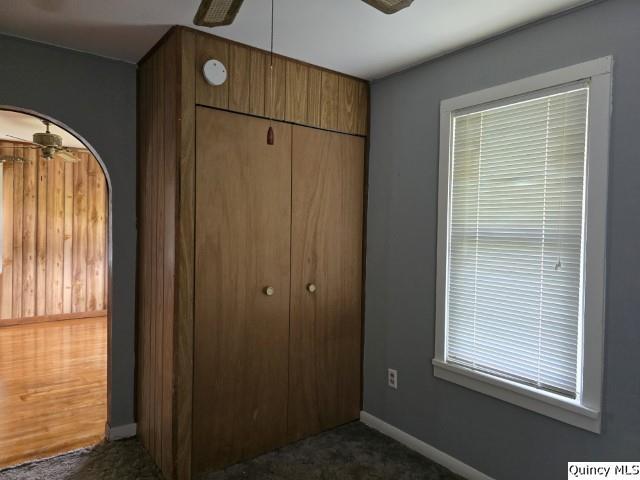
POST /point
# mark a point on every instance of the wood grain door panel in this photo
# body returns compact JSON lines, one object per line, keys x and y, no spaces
{"x":326,"y":243}
{"x":241,"y":338}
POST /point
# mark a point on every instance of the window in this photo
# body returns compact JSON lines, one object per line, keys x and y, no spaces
{"x":522,"y":221}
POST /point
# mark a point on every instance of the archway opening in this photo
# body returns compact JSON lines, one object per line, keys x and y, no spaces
{"x":55,"y":245}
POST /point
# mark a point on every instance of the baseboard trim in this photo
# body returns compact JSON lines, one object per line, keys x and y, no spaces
{"x":424,"y":449}
{"x":12,"y":322}
{"x":121,"y":431}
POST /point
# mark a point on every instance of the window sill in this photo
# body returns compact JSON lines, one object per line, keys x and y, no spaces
{"x":554,"y":406}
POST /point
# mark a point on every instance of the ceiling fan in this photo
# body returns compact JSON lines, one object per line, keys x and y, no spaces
{"x":214,"y":13}
{"x":50,"y":145}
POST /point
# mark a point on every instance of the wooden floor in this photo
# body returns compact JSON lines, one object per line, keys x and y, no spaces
{"x":53,"y":388}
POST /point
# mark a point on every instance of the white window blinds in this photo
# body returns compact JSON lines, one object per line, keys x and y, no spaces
{"x":515,"y":227}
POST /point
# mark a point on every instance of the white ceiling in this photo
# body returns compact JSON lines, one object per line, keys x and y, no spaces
{"x":344,"y":35}
{"x":24,"y":126}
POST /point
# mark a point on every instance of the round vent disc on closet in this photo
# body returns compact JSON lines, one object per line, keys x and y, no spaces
{"x":214,"y":72}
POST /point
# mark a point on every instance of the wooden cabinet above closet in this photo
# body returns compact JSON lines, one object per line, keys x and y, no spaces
{"x":300,"y":93}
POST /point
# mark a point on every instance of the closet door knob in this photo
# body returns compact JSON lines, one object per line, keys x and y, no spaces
{"x":312,"y":288}
{"x":269,"y":291}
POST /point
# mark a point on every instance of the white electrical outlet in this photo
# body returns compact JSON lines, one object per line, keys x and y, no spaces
{"x":392,"y":378}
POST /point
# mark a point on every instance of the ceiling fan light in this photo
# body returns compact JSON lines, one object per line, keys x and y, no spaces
{"x":214,"y":13}
{"x":389,"y":6}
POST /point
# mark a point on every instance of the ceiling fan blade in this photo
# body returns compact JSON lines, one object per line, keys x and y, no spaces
{"x":67,"y":156}
{"x":22,"y":139}
{"x":10,"y":158}
{"x":214,"y":13}
{"x":389,"y":6}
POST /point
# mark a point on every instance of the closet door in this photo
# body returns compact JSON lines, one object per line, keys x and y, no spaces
{"x":242,"y":288}
{"x":326,"y":280}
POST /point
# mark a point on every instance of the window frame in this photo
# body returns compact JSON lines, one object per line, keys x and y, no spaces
{"x":584,"y":411}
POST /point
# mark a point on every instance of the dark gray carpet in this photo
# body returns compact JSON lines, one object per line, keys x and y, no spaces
{"x":352,"y":452}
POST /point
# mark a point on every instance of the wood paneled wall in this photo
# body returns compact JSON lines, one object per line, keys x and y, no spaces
{"x":157,"y":169}
{"x":299,"y":93}
{"x":54,"y":255}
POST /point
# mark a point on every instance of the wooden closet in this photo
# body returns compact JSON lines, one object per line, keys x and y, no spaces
{"x":250,"y":255}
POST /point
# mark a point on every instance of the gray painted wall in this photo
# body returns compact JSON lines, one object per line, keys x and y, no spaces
{"x":502,"y":440}
{"x":95,"y":97}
